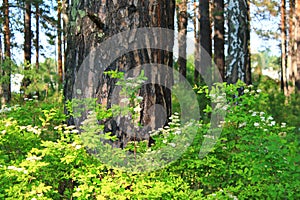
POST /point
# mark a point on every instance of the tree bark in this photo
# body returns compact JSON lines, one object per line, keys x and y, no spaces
{"x":197,"y":43}
{"x":59,"y":42}
{"x":27,"y":32}
{"x":297,"y":45}
{"x":238,"y":61}
{"x":205,"y":39}
{"x":284,"y":83}
{"x":291,"y":62}
{"x":182,"y":20}
{"x":6,"y":70}
{"x":37,"y":34}
{"x":109,"y":19}
{"x":219,"y":57}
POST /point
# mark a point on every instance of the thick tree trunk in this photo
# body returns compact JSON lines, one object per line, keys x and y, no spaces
{"x":104,"y":19}
{"x":59,"y":42}
{"x":205,"y":39}
{"x":6,"y":70}
{"x":219,"y":57}
{"x":284,"y":84}
{"x":238,"y":61}
{"x":182,"y":20}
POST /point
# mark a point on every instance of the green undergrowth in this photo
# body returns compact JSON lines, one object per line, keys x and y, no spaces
{"x":255,"y":157}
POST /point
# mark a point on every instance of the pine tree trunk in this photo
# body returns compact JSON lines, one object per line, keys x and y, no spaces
{"x":205,"y":39}
{"x":291,"y":49}
{"x":111,"y":18}
{"x":182,"y":20}
{"x":59,"y":42}
{"x":37,"y":34}
{"x":219,"y":57}
{"x":6,"y":70}
{"x":27,"y":32}
{"x":284,"y":84}
{"x":27,"y":43}
{"x":238,"y":61}
{"x":197,"y":43}
{"x":297,"y":45}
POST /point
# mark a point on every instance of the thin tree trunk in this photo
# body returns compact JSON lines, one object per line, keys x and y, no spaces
{"x":2,"y":99}
{"x":27,"y":44}
{"x":65,"y":23}
{"x":27,"y":32}
{"x":284,"y":84}
{"x":37,"y":34}
{"x":291,"y":62}
{"x":59,"y":42}
{"x":205,"y":39}
{"x":297,"y":45}
{"x":219,"y":57}
{"x":197,"y":43}
{"x":238,"y":39}
{"x":182,"y":20}
{"x":6,"y":71}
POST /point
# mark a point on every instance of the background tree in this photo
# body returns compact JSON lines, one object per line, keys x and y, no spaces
{"x":238,"y":59}
{"x":5,"y":91}
{"x":37,"y":33}
{"x":219,"y":32}
{"x":205,"y":37}
{"x":182,"y":21}
{"x":59,"y":42}
{"x":284,"y":83}
{"x":110,"y":19}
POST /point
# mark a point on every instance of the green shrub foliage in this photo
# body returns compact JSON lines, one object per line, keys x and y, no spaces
{"x":255,"y":157}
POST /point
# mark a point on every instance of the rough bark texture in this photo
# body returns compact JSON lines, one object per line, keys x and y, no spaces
{"x":219,"y":57}
{"x":238,"y":61}
{"x":59,"y":42}
{"x":197,"y":43}
{"x":182,"y":21}
{"x":2,"y":102}
{"x":5,"y":91}
{"x":297,"y":44}
{"x":37,"y":34}
{"x":205,"y":38}
{"x":291,"y":48}
{"x":284,"y":83}
{"x":27,"y":32}
{"x":103,"y":19}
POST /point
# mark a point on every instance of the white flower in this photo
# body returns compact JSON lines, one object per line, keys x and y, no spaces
{"x":165,"y":141}
{"x":77,"y":146}
{"x":253,"y":114}
{"x":139,"y":98}
{"x":283,"y":125}
{"x":33,"y":158}
{"x":270,"y":118}
{"x":261,"y":113}
{"x":242,"y":124}
{"x":172,"y":144}
{"x":75,"y":131}
{"x":256,"y":124}
{"x":272,"y":123}
{"x":263,"y":119}
{"x":137,"y":109}
{"x":35,"y":96}
{"x":258,"y":91}
{"x":3,"y":132}
{"x":25,"y":99}
{"x":246,"y":91}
